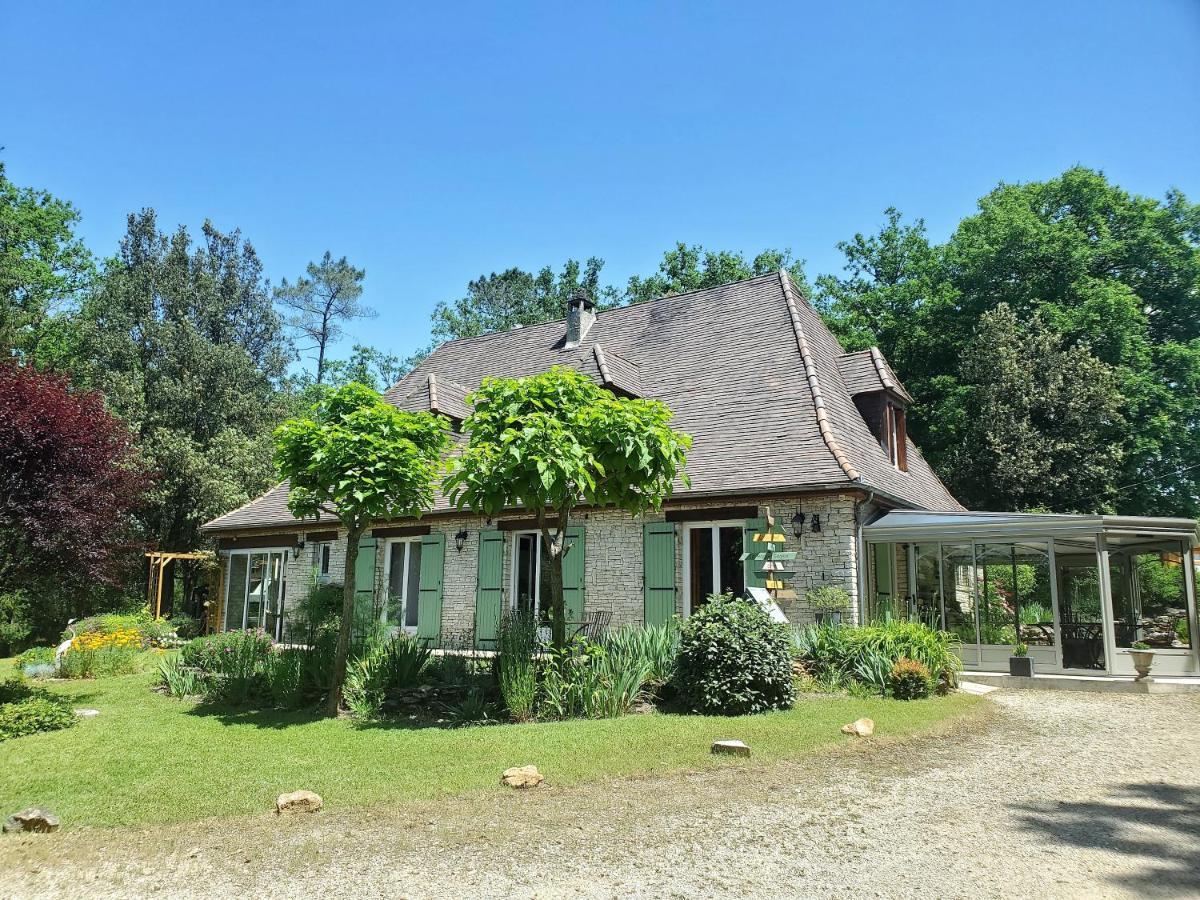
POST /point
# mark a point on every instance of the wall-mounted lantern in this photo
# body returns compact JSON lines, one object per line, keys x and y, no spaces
{"x":798,"y":524}
{"x":816,"y":522}
{"x":460,"y":540}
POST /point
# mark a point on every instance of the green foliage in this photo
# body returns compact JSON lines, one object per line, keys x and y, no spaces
{"x":185,"y":344}
{"x":516,"y":644}
{"x":1098,"y":289}
{"x":550,"y":441}
{"x":385,"y":668}
{"x":829,"y":598}
{"x":35,"y":656}
{"x":498,"y":302}
{"x":692,"y":268}
{"x":44,"y":266}
{"x":239,"y":667}
{"x":284,"y":672}
{"x":473,"y":709}
{"x":910,"y":680}
{"x":581,"y":680}
{"x":655,"y":647}
{"x":1020,"y":649}
{"x":1139,"y":645}
{"x":16,"y":626}
{"x":34,"y":715}
{"x":179,"y":679}
{"x":733,"y":659}
{"x":841,"y":657}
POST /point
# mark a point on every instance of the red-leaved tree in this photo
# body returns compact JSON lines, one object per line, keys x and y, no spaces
{"x":69,"y":480}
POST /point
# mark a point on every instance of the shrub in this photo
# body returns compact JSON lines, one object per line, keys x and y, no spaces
{"x":180,"y":680}
{"x":842,"y":657}
{"x":733,"y":659}
{"x":212,"y":653}
{"x":910,"y":679}
{"x":284,"y":673}
{"x":829,"y":599}
{"x":657,"y":646}
{"x":582,"y":680}
{"x":27,"y":710}
{"x":36,"y":656}
{"x":239,"y":673}
{"x":516,"y":644}
{"x":382,"y":670}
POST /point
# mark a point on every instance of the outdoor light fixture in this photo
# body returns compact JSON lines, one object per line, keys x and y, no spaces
{"x":798,"y":524}
{"x":816,"y":522}
{"x":300,"y":544}
{"x":460,"y":540}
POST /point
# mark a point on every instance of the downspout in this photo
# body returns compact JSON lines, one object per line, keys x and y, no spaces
{"x":862,"y":555}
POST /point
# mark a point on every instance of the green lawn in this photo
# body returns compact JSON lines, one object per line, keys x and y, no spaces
{"x":148,"y":758}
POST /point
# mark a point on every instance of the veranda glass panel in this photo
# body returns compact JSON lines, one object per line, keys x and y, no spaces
{"x":1014,"y":579}
{"x":1081,"y":622}
{"x":958,"y":583}
{"x":929,"y":585}
{"x":1150,"y":597}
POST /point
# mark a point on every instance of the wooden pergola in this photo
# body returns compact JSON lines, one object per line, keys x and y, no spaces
{"x":159,"y":560}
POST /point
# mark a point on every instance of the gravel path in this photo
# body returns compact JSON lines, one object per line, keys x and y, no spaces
{"x":1058,"y":795}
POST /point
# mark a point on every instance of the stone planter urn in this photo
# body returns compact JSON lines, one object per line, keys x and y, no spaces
{"x":1142,"y":661}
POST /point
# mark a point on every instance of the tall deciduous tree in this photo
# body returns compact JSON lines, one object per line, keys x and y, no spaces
{"x":498,"y":302}
{"x":44,"y":266}
{"x":186,"y":346}
{"x":1111,"y":272}
{"x":1040,"y":422}
{"x":692,"y":268}
{"x":70,"y":479}
{"x":318,"y":304}
{"x":360,"y":459}
{"x":550,"y":442}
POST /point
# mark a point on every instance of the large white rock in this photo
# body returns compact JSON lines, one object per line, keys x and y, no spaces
{"x":863,"y":727}
{"x":522,"y":777}
{"x":298,"y":801}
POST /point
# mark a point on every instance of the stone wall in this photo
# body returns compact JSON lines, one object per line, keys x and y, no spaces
{"x":613,"y":566}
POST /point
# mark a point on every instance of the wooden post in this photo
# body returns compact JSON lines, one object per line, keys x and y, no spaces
{"x":158,"y":593}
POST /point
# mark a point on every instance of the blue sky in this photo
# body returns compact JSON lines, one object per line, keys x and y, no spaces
{"x":430,"y":145}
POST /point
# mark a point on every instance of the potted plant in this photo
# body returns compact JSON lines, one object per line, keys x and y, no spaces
{"x":829,"y":602}
{"x":1020,"y":663}
{"x":1143,"y":658}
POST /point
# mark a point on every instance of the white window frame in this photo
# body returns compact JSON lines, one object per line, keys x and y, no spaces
{"x":387,"y":583}
{"x":230,"y":554}
{"x":537,"y":575}
{"x":716,"y":527}
{"x":323,"y":559}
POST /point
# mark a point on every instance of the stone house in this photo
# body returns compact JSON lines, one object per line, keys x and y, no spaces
{"x":780,"y":415}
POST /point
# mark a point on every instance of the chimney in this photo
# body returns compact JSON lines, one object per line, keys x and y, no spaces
{"x":581,"y":313}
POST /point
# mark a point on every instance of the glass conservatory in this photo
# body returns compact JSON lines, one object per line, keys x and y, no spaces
{"x":1079,"y":591}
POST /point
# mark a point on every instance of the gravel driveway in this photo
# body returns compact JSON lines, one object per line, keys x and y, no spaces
{"x":1060,"y":795}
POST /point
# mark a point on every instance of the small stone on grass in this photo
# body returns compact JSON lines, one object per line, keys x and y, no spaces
{"x":863,"y":727}
{"x":32,"y":819}
{"x":87,"y":713}
{"x":298,"y":801}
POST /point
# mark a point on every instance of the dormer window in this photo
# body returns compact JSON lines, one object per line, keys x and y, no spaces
{"x":893,"y":436}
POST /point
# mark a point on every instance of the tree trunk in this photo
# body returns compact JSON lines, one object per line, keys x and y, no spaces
{"x":320,"y":360}
{"x":556,"y":546}
{"x":334,"y":702}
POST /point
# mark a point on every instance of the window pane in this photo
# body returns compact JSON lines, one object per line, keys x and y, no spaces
{"x":1017,"y":579}
{"x":701,"y":562}
{"x":958,"y":582}
{"x":236,"y":606}
{"x":394,"y":609}
{"x":929,"y":586}
{"x":526,"y":571}
{"x":255,"y":596}
{"x":326,"y":552}
{"x":412,"y":593}
{"x":997,"y":610}
{"x":1081,"y":628}
{"x":1150,"y":597}
{"x":732,"y":571}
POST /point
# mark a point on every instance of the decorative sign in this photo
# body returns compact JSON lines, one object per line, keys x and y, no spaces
{"x":777,"y":567}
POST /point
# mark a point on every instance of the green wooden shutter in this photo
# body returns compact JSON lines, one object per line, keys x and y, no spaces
{"x":658,"y":571}
{"x":573,"y":565}
{"x":753,"y":566}
{"x":489,"y":592}
{"x":429,"y":603}
{"x":365,"y":611}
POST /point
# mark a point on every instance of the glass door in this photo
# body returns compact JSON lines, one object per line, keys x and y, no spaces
{"x":254,"y":594}
{"x":713,"y":561}
{"x":403,"y":577}
{"x":1081,"y":625}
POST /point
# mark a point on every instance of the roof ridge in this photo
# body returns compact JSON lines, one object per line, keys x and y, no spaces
{"x":814,"y":381}
{"x":884,"y":369}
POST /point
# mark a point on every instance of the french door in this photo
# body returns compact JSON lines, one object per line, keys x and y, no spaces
{"x":712,"y":561}
{"x":255,"y":591}
{"x":402,"y":575}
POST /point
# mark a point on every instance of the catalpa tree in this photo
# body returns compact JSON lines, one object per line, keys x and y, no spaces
{"x":549,"y":443}
{"x":360,"y":459}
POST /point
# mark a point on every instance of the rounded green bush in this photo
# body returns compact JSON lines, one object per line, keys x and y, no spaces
{"x":734,"y":660}
{"x":34,"y":714}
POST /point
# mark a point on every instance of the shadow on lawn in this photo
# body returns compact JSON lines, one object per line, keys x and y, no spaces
{"x":271,"y":717}
{"x":1155,"y":825}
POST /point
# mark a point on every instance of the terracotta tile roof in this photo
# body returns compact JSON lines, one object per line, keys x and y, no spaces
{"x":749,"y":369}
